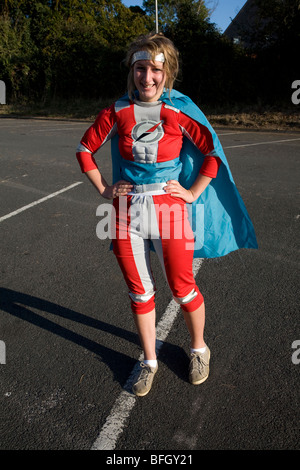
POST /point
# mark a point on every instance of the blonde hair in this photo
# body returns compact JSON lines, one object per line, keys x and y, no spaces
{"x":154,"y":43}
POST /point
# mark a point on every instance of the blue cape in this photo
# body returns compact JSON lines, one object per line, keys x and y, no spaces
{"x":219,"y":218}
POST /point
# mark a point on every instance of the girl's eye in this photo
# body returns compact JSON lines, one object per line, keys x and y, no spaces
{"x":141,"y":69}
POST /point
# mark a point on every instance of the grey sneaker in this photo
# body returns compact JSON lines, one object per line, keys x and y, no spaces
{"x":144,"y":379}
{"x":199,"y":367}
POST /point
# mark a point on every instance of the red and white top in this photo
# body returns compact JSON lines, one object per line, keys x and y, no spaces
{"x":150,"y":140}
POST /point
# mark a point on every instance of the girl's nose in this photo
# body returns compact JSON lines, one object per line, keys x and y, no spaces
{"x":148,"y":75}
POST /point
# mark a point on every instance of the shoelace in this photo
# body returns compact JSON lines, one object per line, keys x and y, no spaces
{"x":144,"y":374}
{"x":197,"y":362}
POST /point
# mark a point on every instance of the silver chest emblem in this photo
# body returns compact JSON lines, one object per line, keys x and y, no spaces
{"x":147,"y":132}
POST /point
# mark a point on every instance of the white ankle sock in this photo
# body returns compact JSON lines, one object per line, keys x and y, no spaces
{"x":200,"y":350}
{"x":150,"y":362}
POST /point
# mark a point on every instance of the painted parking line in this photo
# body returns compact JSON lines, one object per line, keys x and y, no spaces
{"x":120,"y":412}
{"x":261,"y":143}
{"x":53,"y":129}
{"x":234,"y":133}
{"x":116,"y":421}
{"x":39,"y":201}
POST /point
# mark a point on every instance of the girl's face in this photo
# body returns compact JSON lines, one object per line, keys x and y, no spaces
{"x":149,"y":79}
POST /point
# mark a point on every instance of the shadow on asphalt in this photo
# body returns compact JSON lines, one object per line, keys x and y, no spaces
{"x":20,"y":305}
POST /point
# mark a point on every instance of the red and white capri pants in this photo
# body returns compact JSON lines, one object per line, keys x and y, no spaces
{"x":163,"y":220}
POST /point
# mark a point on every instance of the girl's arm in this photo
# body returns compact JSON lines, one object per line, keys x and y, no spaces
{"x":188,"y":195}
{"x":121,"y":188}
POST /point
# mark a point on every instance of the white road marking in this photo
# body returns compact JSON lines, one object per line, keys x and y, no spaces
{"x":260,"y":143}
{"x":234,"y":133}
{"x":44,"y":124}
{"x":52,"y":129}
{"x":39,"y":201}
{"x":116,"y":421}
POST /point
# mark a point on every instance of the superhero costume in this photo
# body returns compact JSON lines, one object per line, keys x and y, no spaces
{"x":151,"y":144}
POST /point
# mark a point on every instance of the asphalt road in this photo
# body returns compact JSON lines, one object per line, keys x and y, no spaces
{"x":67,"y":339}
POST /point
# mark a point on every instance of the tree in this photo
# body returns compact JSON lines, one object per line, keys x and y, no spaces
{"x":65,"y":48}
{"x":169,"y":11}
{"x":16,"y":49}
{"x":207,"y":59}
{"x":274,"y":43}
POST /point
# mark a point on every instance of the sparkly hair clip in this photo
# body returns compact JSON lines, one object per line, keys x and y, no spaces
{"x":145,"y":55}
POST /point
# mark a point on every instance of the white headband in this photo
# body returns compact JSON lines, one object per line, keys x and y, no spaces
{"x":145,"y":55}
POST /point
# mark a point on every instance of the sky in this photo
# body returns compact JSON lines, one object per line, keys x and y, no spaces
{"x":224,"y":12}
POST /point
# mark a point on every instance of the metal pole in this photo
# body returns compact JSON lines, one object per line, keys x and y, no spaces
{"x":156,"y":16}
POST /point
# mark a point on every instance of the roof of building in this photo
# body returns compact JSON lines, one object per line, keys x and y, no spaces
{"x":244,"y":22}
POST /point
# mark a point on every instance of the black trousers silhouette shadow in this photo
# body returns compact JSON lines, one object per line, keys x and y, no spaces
{"x":20,"y":305}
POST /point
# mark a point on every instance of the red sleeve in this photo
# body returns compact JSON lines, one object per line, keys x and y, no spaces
{"x":103,"y":129}
{"x":210,"y":166}
{"x":86,"y":161}
{"x":201,"y":137}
